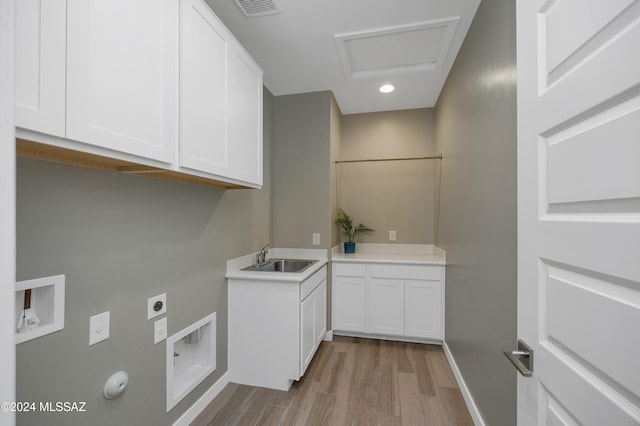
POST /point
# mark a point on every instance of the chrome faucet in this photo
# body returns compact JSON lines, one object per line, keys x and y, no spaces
{"x":261,"y":256}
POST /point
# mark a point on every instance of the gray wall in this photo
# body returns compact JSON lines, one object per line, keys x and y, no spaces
{"x":301,"y":170}
{"x":336,"y":142}
{"x":120,"y":239}
{"x":395,"y":195}
{"x":476,"y":132}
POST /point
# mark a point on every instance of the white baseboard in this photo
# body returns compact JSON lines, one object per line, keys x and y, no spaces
{"x":468,"y":399}
{"x":328,"y":336}
{"x":202,"y":403}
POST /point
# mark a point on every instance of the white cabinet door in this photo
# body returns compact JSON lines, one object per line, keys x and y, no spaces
{"x":40,"y":65}
{"x":320,"y":312}
{"x":386,"y":306}
{"x":122,"y":75}
{"x":313,"y":324}
{"x":349,"y":303}
{"x":423,"y":312}
{"x":205,"y":45}
{"x":307,"y":327}
{"x":245,"y":117}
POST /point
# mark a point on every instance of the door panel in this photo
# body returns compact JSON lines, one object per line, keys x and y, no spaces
{"x":579,"y":210}
{"x":387,"y":306}
{"x":203,"y":109}
{"x":422,"y":309}
{"x":40,"y":65}
{"x":122,"y":75}
{"x":245,"y":117}
{"x":349,"y":303}
{"x":320,"y":312}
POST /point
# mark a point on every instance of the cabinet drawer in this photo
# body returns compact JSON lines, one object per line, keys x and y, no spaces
{"x":312,"y":282}
{"x":416,"y":272}
{"x":349,"y":269}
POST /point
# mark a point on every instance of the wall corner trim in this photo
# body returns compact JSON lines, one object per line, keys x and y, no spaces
{"x":202,"y":403}
{"x":468,"y":399}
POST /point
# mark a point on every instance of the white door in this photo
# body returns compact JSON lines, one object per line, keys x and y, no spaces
{"x":8,"y":211}
{"x":579,"y":210}
{"x":122,"y":75}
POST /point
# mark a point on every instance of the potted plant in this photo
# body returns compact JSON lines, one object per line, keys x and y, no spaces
{"x":345,"y":222}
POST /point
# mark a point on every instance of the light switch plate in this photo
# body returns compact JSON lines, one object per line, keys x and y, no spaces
{"x":99,"y":327}
{"x":151,"y":302}
{"x":159,"y":330}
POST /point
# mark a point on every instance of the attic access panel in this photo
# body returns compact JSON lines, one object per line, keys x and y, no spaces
{"x":407,"y":49}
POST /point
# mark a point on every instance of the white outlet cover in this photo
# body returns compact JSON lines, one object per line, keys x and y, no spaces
{"x":151,"y":303}
{"x":316,"y":239}
{"x":99,"y":327}
{"x":159,"y":330}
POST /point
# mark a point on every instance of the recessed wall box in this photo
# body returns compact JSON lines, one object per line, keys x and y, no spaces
{"x":39,"y":307}
{"x":191,"y":357}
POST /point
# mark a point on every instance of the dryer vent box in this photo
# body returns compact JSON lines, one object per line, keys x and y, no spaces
{"x":39,"y":307}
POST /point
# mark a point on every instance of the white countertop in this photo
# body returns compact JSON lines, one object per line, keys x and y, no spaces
{"x":234,"y":266}
{"x":421,"y":254}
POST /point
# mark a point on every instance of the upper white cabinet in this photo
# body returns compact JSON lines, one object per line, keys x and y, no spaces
{"x":221,"y":99}
{"x":203,"y":90}
{"x":245,"y":117}
{"x":40,"y":65}
{"x":122,"y":65}
{"x":159,"y":87}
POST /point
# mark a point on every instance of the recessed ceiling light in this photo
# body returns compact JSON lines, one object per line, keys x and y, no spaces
{"x":387,"y":88}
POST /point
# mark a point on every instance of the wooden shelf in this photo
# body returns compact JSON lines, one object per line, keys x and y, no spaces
{"x":40,"y":151}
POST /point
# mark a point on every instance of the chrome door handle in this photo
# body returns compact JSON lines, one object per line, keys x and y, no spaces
{"x":522,"y":359}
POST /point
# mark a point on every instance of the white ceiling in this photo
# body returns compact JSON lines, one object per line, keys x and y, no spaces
{"x":352,"y":47}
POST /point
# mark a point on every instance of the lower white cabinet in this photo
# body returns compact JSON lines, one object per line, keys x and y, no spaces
{"x":313,"y":320}
{"x":275,"y":328}
{"x":389,"y":300}
{"x":386,"y":306}
{"x":424,"y":309}
{"x":348,"y":303}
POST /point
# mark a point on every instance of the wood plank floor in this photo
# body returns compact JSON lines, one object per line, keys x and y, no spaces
{"x":352,"y":381}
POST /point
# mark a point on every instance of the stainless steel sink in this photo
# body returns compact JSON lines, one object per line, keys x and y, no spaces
{"x":281,"y":265}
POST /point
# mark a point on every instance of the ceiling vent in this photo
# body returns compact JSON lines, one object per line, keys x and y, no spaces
{"x":254,"y":8}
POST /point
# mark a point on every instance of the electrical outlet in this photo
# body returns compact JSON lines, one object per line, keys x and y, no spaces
{"x":316,"y":239}
{"x":159,"y":330}
{"x":392,"y":235}
{"x":99,"y":327}
{"x":156,"y":306}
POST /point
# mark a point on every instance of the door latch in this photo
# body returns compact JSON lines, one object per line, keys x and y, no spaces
{"x":522,"y":359}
